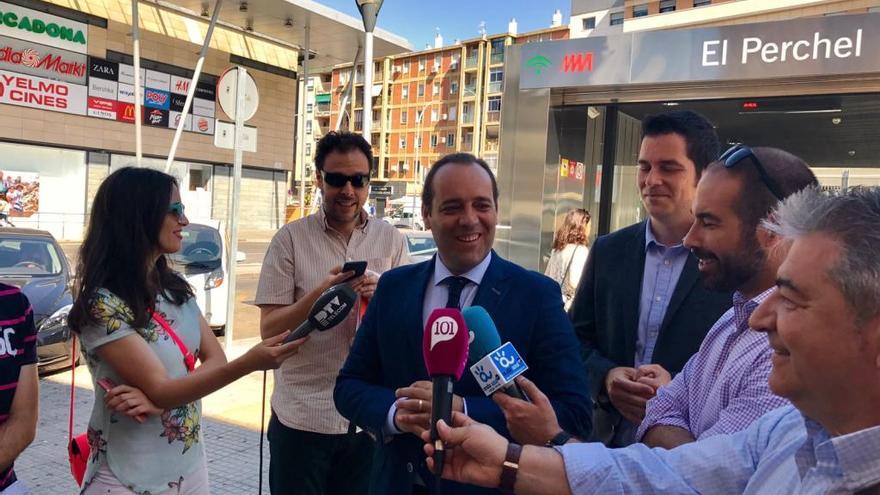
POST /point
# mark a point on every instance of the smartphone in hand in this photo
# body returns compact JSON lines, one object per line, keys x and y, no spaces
{"x":358,"y":267}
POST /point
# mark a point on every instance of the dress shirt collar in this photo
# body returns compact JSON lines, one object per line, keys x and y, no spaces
{"x":651,"y":240}
{"x":363,"y":220}
{"x":744,"y":307}
{"x":475,"y":274}
{"x":852,"y":457}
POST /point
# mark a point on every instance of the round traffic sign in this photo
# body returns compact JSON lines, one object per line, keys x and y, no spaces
{"x":226,"y":94}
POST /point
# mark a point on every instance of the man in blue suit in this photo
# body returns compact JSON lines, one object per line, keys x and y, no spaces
{"x":383,"y":386}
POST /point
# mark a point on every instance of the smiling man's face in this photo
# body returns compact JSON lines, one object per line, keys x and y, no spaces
{"x":462,"y":215}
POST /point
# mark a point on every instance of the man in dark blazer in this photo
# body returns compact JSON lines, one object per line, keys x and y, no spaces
{"x":641,"y":309}
{"x":383,"y":385}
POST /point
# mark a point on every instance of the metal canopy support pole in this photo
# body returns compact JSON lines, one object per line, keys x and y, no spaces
{"x":192,"y":86}
{"x":349,"y":88}
{"x":367,"y":112}
{"x":138,"y":94}
{"x":236,"y":195}
{"x":304,"y":116}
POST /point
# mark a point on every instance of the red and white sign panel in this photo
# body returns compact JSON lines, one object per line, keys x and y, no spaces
{"x":102,"y":108}
{"x":203,"y":125}
{"x":42,"y":61}
{"x":45,"y":94}
{"x":125,"y":112}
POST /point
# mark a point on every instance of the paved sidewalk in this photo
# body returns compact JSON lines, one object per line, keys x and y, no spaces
{"x":230,"y":426}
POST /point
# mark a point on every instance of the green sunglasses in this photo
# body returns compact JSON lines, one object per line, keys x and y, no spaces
{"x":176,"y":209}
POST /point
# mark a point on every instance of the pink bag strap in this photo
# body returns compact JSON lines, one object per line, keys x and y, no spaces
{"x":73,"y":354}
{"x":188,"y":359}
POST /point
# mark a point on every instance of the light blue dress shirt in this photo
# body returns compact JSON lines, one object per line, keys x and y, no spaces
{"x":782,"y":452}
{"x":663,"y":267}
{"x":436,"y":295}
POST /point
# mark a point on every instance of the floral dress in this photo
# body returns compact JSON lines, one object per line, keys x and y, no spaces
{"x":159,"y":453}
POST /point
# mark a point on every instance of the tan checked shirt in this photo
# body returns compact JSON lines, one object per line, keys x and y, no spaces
{"x":298,"y":260}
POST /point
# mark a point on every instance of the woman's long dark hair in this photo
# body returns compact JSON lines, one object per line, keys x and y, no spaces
{"x":121,"y":240}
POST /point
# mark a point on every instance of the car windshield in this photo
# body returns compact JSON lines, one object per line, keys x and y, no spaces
{"x":30,"y":256}
{"x":417,"y":244}
{"x":201,"y":246}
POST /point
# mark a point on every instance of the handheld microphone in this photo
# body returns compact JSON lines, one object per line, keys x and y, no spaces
{"x":490,"y":374}
{"x":331,"y":308}
{"x":445,"y":349}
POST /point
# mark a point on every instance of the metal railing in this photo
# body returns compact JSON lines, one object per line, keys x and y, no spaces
{"x":471,"y":62}
{"x":467,"y":118}
{"x":470,"y":90}
{"x":493,"y":116}
{"x":496,"y":58}
{"x":496,"y":87}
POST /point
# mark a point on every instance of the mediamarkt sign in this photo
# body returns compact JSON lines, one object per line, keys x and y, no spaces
{"x":31,"y":25}
{"x":42,"y":61}
{"x":45,"y":94}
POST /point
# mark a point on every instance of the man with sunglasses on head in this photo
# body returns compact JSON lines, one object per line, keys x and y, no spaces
{"x":314,"y":450}
{"x":640,"y":301}
{"x":723,"y":387}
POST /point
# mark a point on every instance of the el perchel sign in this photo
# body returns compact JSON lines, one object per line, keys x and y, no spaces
{"x":802,"y":47}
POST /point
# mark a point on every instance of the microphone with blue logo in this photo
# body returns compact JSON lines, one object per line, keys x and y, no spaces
{"x":494,"y":366}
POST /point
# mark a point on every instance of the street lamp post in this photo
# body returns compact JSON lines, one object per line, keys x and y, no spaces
{"x":369,"y":13}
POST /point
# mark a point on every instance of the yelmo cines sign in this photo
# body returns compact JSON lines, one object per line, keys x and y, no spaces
{"x":47,"y":29}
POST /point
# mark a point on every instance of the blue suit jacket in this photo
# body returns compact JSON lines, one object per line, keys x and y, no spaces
{"x":387,"y":354}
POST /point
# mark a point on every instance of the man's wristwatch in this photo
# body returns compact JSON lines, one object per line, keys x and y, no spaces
{"x":510,"y":467}
{"x":560,"y":439}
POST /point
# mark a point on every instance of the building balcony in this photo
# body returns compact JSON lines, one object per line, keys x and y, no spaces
{"x":496,"y":87}
{"x":470,"y":90}
{"x":497,"y":58}
{"x":467,"y":119}
{"x":493,"y":116}
{"x":471,"y":62}
{"x":491,"y":146}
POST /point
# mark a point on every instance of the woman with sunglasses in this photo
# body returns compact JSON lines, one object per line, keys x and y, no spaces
{"x":142,"y":332}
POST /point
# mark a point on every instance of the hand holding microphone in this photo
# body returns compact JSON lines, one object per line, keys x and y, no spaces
{"x":331,"y":308}
{"x":445,"y":349}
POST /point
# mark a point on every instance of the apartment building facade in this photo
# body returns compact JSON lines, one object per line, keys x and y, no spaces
{"x":610,"y":17}
{"x":429,"y":103}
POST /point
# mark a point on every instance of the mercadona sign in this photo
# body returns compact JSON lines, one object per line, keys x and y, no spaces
{"x":47,"y":29}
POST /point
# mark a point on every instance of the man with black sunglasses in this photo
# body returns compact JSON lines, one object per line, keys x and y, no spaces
{"x":314,"y":450}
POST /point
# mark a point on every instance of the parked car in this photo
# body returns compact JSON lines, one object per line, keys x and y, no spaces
{"x":421,"y":245}
{"x":406,"y":217}
{"x":203,"y":262}
{"x":33,"y":261}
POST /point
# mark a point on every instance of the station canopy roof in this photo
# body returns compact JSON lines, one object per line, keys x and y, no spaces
{"x":334,"y":36}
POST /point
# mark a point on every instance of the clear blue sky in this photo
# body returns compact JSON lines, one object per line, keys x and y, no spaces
{"x":417,"y":20}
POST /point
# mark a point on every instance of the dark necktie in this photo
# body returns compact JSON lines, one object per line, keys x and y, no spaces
{"x":455,"y":285}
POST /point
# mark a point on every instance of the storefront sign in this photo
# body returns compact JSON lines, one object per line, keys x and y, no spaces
{"x":102,"y":108}
{"x":102,"y":88}
{"x":42,"y":61}
{"x":125,"y":112}
{"x":31,"y":25}
{"x":102,"y":69}
{"x":846,"y":44}
{"x":155,"y":117}
{"x":158,"y":80}
{"x":174,"y":120}
{"x":45,"y":94}
{"x":112,"y":96}
{"x":154,"y":98}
